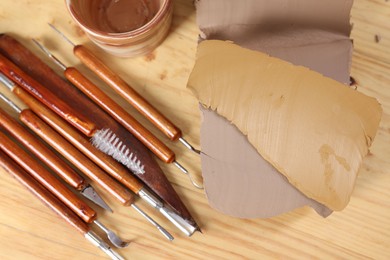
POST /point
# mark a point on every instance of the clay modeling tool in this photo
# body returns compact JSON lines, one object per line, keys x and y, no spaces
{"x":59,"y":143}
{"x":56,"y":187}
{"x":106,"y":162}
{"x":128,"y":93}
{"x":104,"y":136}
{"x":36,"y":68}
{"x":55,"y":204}
{"x":47,"y":156}
{"x":46,"y":97}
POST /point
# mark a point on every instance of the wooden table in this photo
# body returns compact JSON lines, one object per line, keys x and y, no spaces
{"x":28,"y":230}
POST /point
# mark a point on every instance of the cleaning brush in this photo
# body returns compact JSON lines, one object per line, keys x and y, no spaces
{"x":107,"y":142}
{"x":121,"y":116}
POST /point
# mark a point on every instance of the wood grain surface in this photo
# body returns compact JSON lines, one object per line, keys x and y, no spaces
{"x":29,"y":230}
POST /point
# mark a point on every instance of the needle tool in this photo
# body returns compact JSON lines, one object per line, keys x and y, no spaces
{"x":55,"y":204}
{"x":70,"y":152}
{"x":128,"y":93}
{"x":106,"y":140}
{"x":104,"y":161}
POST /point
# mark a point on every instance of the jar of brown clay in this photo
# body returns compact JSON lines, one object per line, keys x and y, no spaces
{"x":124,"y":28}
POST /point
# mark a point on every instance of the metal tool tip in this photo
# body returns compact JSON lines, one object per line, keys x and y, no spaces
{"x":90,"y":193}
{"x":114,"y":238}
{"x":48,"y":53}
{"x":166,"y":233}
{"x":189,"y":146}
{"x":162,"y":230}
{"x":199,"y":230}
{"x":184,"y":170}
{"x":60,"y":33}
{"x":41,"y":46}
{"x":7,"y":82}
{"x":10,"y":103}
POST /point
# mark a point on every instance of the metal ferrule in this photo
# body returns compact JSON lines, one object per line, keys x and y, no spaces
{"x":7,"y":82}
{"x":98,"y":242}
{"x":150,"y":198}
{"x":177,"y":220}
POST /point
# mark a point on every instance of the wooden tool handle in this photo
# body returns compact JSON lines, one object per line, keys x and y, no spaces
{"x":41,"y":151}
{"x":44,"y":195}
{"x":120,"y":115}
{"x":45,"y":96}
{"x":90,"y":169}
{"x":76,"y":157}
{"x":127,"y":92}
{"x":46,"y":179}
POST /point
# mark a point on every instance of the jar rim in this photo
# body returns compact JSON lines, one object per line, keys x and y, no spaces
{"x":163,"y":10}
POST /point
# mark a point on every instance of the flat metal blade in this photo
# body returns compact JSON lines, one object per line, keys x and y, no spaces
{"x":90,"y":193}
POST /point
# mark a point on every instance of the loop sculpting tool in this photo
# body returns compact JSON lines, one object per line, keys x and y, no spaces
{"x":59,"y":143}
{"x":128,"y":93}
{"x":105,"y":140}
{"x":55,"y":204}
{"x":30,"y":64}
{"x":106,"y":162}
{"x":48,"y":156}
{"x":54,"y":185}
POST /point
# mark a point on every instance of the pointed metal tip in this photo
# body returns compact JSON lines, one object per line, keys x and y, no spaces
{"x":43,"y":48}
{"x":60,"y":33}
{"x":48,"y":53}
{"x":90,"y":193}
{"x":189,"y":146}
{"x":199,"y":230}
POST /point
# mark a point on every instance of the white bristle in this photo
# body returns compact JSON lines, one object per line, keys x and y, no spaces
{"x":107,"y":142}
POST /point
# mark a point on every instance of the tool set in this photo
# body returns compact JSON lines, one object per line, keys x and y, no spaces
{"x":130,"y":95}
{"x":55,"y":204}
{"x":104,"y":137}
{"x":104,"y":158}
{"x":46,"y":155}
{"x":57,"y":142}
{"x":46,"y":179}
{"x":122,"y":88}
{"x":27,"y":64}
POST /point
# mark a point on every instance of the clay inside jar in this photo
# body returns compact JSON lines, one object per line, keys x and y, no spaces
{"x":115,"y":16}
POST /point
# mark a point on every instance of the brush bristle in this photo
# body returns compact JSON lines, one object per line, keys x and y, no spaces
{"x":107,"y":142}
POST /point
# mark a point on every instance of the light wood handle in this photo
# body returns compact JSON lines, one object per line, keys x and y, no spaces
{"x":40,"y":192}
{"x":41,"y":151}
{"x":81,"y":143}
{"x":127,"y":92}
{"x":120,"y":115}
{"x":45,"y":178}
{"x":86,"y":166}
{"x":45,"y":96}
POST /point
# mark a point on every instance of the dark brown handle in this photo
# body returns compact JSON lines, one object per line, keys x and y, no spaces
{"x":120,"y":115}
{"x":40,"y":192}
{"x":45,"y":96}
{"x":46,"y":179}
{"x":41,"y":151}
{"x":127,"y":92}
{"x":76,"y":157}
{"x":83,"y":145}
